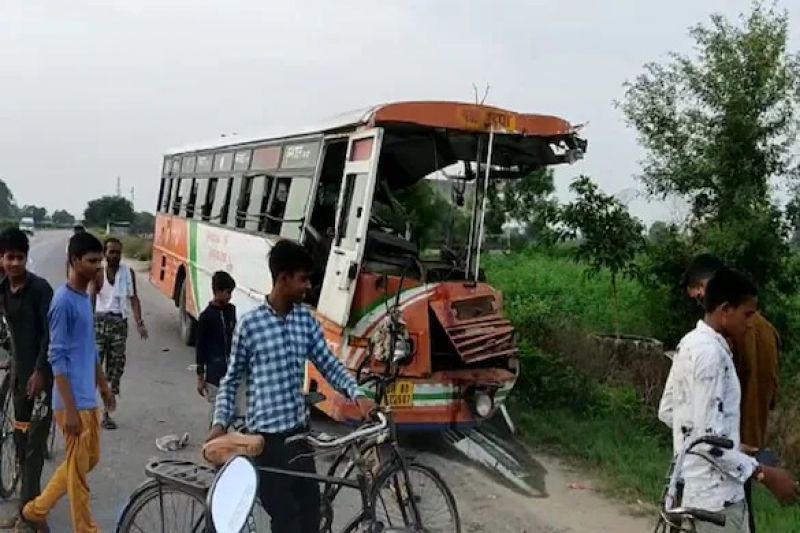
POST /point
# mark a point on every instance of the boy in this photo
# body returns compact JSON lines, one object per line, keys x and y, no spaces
{"x":78,"y":375}
{"x":702,"y":397}
{"x":214,"y":337}
{"x":755,"y":356}
{"x":273,"y":343}
{"x":113,"y":290}
{"x":24,"y":301}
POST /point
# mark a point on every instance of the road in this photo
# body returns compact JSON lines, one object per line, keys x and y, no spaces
{"x":158,"y":398}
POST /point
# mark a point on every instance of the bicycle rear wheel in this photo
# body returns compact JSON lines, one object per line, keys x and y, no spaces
{"x":9,"y":465}
{"x":431,"y":495}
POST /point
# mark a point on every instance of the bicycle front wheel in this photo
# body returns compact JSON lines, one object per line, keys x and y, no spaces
{"x":9,"y":465}
{"x":167,"y":509}
{"x":395,"y":508}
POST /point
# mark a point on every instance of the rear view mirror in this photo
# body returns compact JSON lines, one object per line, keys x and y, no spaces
{"x":232,"y":495}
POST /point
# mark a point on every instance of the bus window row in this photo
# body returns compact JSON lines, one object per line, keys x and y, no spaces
{"x":259,"y":203}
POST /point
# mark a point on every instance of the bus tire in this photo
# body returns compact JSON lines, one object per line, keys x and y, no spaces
{"x":187,"y":323}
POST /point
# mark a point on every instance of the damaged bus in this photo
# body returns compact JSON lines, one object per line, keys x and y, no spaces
{"x":222,"y":206}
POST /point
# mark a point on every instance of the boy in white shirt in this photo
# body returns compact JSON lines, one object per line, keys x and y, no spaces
{"x":703,"y":397}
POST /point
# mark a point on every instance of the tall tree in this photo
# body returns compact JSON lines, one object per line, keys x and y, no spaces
{"x":719,"y":125}
{"x":718,"y":128}
{"x":144,"y":223}
{"x":108,"y":209}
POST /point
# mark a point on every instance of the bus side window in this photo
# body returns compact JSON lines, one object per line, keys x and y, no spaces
{"x":202,"y":185}
{"x":223,"y":201}
{"x":166,"y":196}
{"x":259,"y":190}
{"x":161,"y":188}
{"x":296,"y":204}
{"x":176,"y":199}
{"x":232,"y":203}
{"x":277,"y":207}
{"x":208,"y":202}
{"x":192,"y":198}
{"x":244,"y":201}
{"x":185,"y":191}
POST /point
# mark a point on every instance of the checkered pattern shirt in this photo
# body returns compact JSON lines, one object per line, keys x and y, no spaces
{"x":272,"y":351}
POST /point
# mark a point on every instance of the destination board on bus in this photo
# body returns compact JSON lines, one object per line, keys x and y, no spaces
{"x":300,"y":155}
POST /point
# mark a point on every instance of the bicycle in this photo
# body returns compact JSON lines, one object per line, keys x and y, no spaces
{"x":673,"y":517}
{"x":371,"y":454}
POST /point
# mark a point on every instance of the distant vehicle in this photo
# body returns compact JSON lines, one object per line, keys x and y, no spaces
{"x":27,"y":225}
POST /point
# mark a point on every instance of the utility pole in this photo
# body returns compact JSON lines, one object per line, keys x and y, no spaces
{"x":132,"y":195}
{"x":119,"y":187}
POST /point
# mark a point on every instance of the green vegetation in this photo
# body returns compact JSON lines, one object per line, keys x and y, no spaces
{"x":562,"y":406}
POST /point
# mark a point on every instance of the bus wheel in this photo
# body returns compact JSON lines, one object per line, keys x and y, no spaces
{"x":188,"y":324}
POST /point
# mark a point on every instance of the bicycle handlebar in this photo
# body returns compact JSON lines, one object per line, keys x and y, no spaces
{"x":340,"y":442}
{"x":675,"y":477}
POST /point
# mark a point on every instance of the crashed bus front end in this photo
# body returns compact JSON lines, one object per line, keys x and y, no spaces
{"x":464,"y":359}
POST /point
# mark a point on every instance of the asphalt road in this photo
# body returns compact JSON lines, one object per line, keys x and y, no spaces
{"x":159,"y":398}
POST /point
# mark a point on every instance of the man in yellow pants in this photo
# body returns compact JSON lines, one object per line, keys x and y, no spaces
{"x":78,"y":375}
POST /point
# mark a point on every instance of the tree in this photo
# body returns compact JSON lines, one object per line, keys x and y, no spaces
{"x":658,"y":231}
{"x":108,"y":209}
{"x":718,"y":128}
{"x":719,"y":125}
{"x":8,"y":207}
{"x":37,"y":213}
{"x":62,"y":217}
{"x":144,"y":223}
{"x":609,"y":238}
{"x":527,"y":202}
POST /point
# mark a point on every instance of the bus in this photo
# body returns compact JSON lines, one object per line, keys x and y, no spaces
{"x":222,"y":205}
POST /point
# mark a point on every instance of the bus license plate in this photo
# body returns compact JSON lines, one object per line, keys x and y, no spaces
{"x":401,"y":394}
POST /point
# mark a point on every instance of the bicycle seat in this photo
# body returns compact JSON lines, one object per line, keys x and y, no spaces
{"x":187,"y":475}
{"x":219,"y":450}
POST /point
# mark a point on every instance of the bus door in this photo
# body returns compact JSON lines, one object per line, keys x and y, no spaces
{"x":352,"y":220}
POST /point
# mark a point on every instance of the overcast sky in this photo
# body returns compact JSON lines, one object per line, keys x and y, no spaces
{"x":92,"y":90}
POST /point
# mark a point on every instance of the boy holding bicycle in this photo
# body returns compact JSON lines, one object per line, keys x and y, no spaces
{"x":703,"y":396}
{"x":273,"y":343}
{"x":24,"y":302}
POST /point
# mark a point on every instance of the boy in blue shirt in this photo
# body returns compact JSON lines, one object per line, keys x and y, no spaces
{"x":78,"y":374}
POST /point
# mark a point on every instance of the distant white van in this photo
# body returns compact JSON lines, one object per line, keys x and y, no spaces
{"x":27,"y":225}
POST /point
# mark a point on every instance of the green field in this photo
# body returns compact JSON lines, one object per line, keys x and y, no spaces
{"x":602,"y":428}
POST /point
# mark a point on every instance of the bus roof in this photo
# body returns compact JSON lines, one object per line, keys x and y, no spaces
{"x":441,"y":115}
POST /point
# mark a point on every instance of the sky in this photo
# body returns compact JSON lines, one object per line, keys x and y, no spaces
{"x":93,"y":90}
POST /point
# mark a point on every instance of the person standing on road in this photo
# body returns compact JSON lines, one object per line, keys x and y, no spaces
{"x":273,"y":343}
{"x":214,"y":337}
{"x":24,"y":302}
{"x":75,"y":230}
{"x":703,"y":397}
{"x":113,"y":289}
{"x":755,"y":356}
{"x":78,"y":375}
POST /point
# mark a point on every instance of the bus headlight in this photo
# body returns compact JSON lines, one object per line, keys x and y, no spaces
{"x":481,"y":403}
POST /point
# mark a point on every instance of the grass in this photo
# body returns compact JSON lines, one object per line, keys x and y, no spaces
{"x":603,"y":429}
{"x":560,"y":288}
